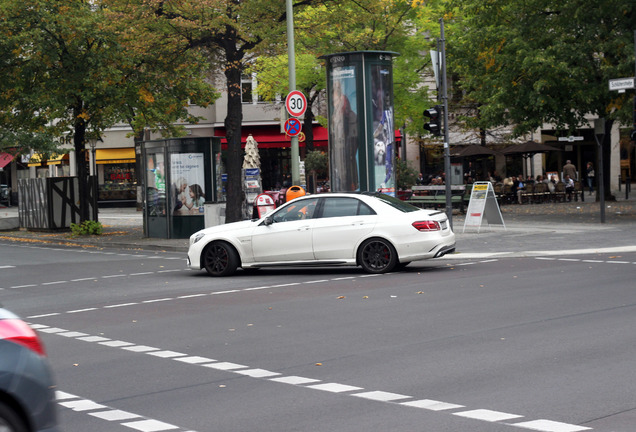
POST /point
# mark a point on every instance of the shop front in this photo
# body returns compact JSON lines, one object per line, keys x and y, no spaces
{"x":275,"y":150}
{"x":117,"y":179}
{"x":55,"y":165}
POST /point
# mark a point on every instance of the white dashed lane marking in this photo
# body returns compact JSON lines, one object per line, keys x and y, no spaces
{"x":306,"y":382}
{"x":104,"y":412}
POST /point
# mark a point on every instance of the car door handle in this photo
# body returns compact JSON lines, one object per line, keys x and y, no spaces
{"x":303,"y":228}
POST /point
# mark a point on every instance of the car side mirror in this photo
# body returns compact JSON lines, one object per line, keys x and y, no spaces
{"x":268,"y":221}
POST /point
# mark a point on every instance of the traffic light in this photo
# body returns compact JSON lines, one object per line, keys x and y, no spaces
{"x":434,"y":125}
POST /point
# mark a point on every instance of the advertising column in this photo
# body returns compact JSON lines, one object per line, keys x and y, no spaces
{"x":382,"y":133}
{"x":343,"y":128}
{"x":361,"y":125}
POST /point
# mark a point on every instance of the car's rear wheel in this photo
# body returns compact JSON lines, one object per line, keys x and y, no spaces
{"x":377,"y":256}
{"x":10,"y":421}
{"x":220,"y":259}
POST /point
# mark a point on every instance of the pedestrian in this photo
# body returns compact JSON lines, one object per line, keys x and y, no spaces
{"x":569,"y":186}
{"x":590,"y":177}
{"x":518,"y":186}
{"x":569,"y":170}
{"x":420,"y":179}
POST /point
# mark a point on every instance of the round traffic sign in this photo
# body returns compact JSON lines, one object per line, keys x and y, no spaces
{"x":296,"y":103}
{"x":292,"y":126}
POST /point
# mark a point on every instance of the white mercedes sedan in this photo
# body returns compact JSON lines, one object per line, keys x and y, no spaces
{"x":378,"y":232}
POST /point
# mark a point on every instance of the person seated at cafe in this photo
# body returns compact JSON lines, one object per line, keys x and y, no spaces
{"x":569,"y":187}
{"x":518,"y":186}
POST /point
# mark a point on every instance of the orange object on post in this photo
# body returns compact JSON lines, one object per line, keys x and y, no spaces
{"x":294,"y":192}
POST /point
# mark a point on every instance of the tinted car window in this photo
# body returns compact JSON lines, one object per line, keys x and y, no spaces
{"x":303,"y":209}
{"x":339,"y":207}
{"x":395,"y":202}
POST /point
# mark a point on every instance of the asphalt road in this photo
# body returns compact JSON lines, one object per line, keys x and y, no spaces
{"x":138,"y":342}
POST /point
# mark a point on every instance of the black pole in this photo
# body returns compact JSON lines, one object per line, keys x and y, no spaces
{"x":599,"y":135}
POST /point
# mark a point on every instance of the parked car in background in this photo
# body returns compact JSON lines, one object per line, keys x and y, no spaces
{"x":27,"y":392}
{"x":375,"y":231}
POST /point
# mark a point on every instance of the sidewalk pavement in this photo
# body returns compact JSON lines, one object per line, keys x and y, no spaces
{"x":530,"y":230}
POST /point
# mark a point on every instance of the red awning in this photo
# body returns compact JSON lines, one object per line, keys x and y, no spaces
{"x":271,"y":137}
{"x":5,"y":158}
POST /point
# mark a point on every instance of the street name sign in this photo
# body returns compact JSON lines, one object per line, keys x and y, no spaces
{"x":571,"y":138}
{"x":621,"y":84}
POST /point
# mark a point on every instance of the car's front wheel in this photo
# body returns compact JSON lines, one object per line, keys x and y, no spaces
{"x":9,"y":420}
{"x":377,"y":256}
{"x":220,"y":259}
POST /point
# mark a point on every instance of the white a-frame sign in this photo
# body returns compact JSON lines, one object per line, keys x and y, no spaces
{"x":483,"y":203}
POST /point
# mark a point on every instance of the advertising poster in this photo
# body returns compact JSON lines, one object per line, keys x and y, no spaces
{"x":156,"y":189}
{"x":383,"y":130}
{"x":187,"y":172}
{"x":343,"y":130}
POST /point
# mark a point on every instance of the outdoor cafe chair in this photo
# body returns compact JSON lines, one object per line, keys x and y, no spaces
{"x":559,"y":192}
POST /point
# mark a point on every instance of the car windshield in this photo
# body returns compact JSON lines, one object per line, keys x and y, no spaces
{"x":395,"y":202}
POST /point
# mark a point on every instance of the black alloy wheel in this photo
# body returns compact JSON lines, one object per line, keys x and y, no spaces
{"x":220,"y":259}
{"x":377,"y":256}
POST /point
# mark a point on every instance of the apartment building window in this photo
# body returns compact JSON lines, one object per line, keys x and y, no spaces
{"x":248,"y":84}
{"x":249,"y":93}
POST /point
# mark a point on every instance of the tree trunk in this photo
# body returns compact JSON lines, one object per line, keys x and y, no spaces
{"x":308,"y":123}
{"x":79,"y":140}
{"x":233,"y":121}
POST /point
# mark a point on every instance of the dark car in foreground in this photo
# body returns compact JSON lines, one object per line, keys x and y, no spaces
{"x":27,"y":393}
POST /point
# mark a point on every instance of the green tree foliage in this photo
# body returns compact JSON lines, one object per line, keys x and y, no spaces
{"x":354,"y":25}
{"x":310,"y":80}
{"x":543,"y":61}
{"x":406,"y":176}
{"x":384,"y":25}
{"x":70,"y":73}
{"x":230,"y":31}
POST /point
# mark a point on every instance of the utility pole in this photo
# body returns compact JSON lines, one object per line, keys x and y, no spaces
{"x":447,"y":164}
{"x":291,"y":54}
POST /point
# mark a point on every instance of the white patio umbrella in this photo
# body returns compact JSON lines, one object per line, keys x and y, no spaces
{"x":251,"y":159}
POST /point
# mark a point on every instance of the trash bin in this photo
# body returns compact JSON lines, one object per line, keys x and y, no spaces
{"x":294,"y":192}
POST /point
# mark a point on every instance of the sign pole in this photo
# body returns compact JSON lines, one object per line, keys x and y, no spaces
{"x":291,"y":55}
{"x":447,"y":164}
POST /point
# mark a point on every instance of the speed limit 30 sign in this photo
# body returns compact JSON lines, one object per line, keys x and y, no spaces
{"x":296,"y":103}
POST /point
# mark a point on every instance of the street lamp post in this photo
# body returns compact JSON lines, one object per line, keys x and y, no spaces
{"x":93,"y":143}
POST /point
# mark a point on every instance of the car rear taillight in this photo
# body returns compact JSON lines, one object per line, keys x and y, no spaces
{"x":426,"y":225}
{"x":17,"y":331}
